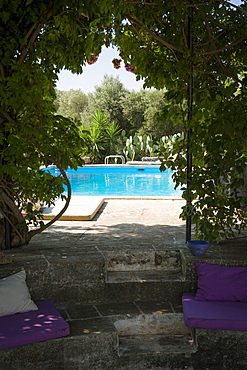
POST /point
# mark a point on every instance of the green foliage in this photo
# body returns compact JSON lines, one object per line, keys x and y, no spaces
{"x":101,"y":138}
{"x":156,"y":124}
{"x":37,"y":40}
{"x":71,"y":104}
{"x":154,"y":40}
{"x":217,"y":186}
{"x":138,"y":146}
{"x":134,"y":111}
{"x":107,"y":97}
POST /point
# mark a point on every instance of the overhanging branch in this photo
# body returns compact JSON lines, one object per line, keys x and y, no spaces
{"x":68,"y":198}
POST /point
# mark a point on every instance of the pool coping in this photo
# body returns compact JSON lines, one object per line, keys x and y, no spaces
{"x":84,"y":208}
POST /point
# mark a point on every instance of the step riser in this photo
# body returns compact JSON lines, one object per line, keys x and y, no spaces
{"x":116,"y":277}
{"x":69,"y":283}
{"x":147,"y":291}
{"x":156,"y":344}
{"x":150,"y":325}
{"x":165,"y":260}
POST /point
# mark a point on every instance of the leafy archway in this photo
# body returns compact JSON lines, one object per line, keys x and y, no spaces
{"x":155,"y":41}
{"x":40,"y":38}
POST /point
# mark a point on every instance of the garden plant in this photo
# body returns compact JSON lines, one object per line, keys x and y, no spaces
{"x":172,"y":45}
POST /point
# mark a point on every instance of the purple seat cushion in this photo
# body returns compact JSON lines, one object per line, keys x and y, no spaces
{"x":214,"y":314}
{"x":33,"y":326}
{"x":221,"y":283}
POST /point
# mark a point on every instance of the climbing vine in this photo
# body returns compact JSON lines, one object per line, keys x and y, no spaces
{"x":39,"y":38}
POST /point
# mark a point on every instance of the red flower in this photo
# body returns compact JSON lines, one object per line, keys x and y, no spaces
{"x":116,"y":63}
{"x":129,"y":68}
{"x":92,"y":59}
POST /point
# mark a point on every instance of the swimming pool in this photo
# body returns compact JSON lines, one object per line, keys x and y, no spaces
{"x":111,"y":180}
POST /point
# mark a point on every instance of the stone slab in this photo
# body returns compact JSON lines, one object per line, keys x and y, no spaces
{"x":81,"y":208}
{"x":148,"y":344}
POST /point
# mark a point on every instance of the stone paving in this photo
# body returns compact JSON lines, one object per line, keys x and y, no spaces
{"x":119,"y":224}
{"x":122,"y":225}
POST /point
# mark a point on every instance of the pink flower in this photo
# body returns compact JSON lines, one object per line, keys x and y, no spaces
{"x":92,"y":59}
{"x":116,"y":63}
{"x":129,"y":68}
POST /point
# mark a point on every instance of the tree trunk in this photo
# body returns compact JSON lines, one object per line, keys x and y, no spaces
{"x":11,"y":214}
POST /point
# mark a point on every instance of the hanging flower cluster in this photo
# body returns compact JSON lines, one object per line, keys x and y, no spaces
{"x":116,"y":63}
{"x":129,"y":68}
{"x":121,"y":54}
{"x":92,"y":59}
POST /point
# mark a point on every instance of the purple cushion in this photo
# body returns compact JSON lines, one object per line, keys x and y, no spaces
{"x":33,"y":326}
{"x":221,"y":283}
{"x":214,"y":314}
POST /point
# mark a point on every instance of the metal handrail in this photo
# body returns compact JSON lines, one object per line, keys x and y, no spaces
{"x":114,"y":156}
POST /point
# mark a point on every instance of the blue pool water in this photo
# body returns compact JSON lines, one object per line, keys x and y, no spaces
{"x":121,"y":181}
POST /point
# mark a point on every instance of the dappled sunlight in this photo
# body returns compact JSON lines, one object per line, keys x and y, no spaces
{"x":32,"y":325}
{"x":119,"y":225}
{"x":87,"y":331}
{"x":112,"y":237}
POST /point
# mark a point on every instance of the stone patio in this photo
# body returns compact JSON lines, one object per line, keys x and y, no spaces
{"x":126,"y":268}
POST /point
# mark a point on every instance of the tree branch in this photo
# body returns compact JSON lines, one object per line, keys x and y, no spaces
{"x":216,"y":51}
{"x":233,"y":5}
{"x":224,"y":68}
{"x":22,"y":239}
{"x":152,"y":34}
{"x":2,"y":71}
{"x":32,"y":33}
{"x":6,"y":115}
{"x":189,"y":5}
{"x":52,"y":160}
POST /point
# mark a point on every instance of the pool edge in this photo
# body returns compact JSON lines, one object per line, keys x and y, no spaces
{"x":92,"y":205}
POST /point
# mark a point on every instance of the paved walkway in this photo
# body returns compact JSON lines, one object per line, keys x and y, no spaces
{"x":119,"y":224}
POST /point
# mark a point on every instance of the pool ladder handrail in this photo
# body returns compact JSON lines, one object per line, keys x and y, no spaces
{"x":114,"y":156}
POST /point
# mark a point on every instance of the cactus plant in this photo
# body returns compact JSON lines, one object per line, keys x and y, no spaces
{"x":138,"y":146}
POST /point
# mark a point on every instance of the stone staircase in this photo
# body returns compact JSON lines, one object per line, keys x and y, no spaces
{"x":145,"y":274}
{"x":143,"y":266}
{"x":124,"y":310}
{"x":159,"y":330}
{"x":139,"y":329}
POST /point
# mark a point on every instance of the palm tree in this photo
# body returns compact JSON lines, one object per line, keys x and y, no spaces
{"x":101,"y":137}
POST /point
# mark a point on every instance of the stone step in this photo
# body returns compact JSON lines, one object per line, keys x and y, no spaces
{"x":156,"y":344}
{"x":123,"y":335}
{"x":141,"y":328}
{"x":157,"y":328}
{"x":114,"y":277}
{"x":143,"y":260}
{"x":143,"y":266}
{"x":69,"y":279}
{"x":133,"y":314}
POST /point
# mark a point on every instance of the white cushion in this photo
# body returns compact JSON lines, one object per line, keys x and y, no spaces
{"x":14,"y":295}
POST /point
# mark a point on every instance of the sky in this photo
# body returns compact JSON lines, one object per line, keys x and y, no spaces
{"x":94,"y":74}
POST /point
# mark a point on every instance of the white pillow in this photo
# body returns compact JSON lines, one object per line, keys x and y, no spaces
{"x":14,"y":295}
